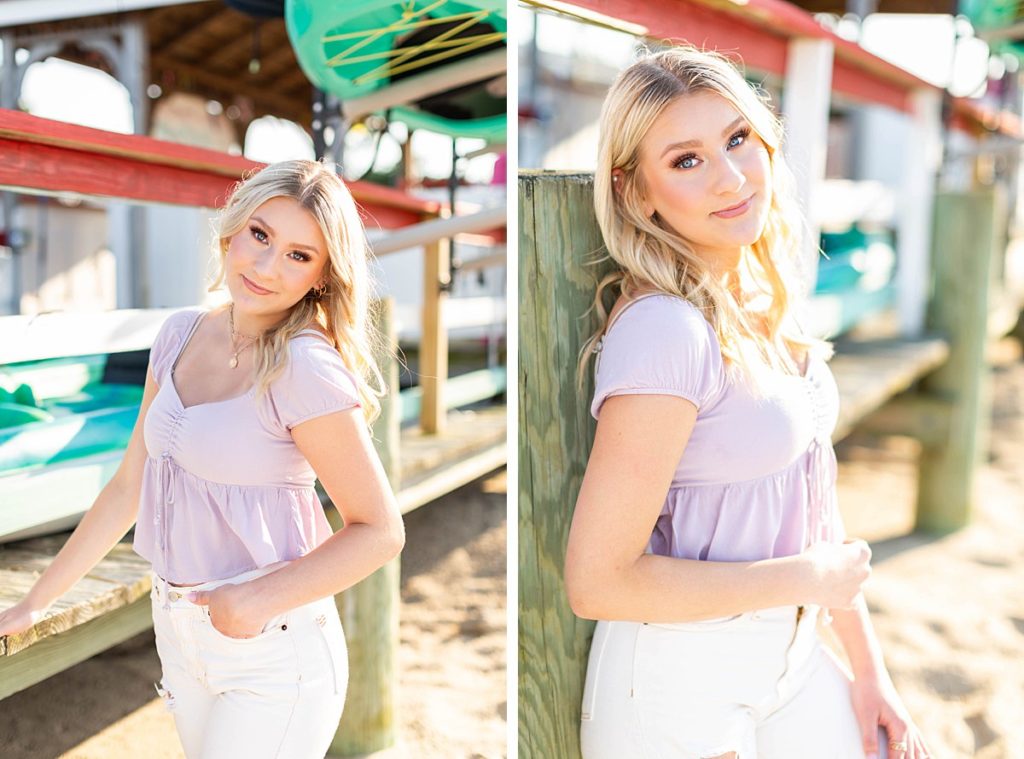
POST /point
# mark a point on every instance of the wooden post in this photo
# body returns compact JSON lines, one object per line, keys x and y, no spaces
{"x":369,"y":610}
{"x":916,"y":200}
{"x":558,"y":236}
{"x":805,"y":104}
{"x":964,"y":234}
{"x":434,"y":337}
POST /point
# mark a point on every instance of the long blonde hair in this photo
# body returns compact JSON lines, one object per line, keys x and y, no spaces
{"x":342,"y":311}
{"x":652,"y":256}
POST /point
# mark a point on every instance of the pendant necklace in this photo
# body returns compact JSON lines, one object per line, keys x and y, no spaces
{"x":231,"y":319}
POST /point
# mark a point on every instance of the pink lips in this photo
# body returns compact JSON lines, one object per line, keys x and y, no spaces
{"x":728,"y":213}
{"x":255,"y":288}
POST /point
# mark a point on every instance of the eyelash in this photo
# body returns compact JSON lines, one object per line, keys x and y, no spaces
{"x":744,"y":133}
{"x":257,"y":231}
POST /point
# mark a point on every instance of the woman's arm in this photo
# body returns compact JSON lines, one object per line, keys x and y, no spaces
{"x":111,"y":516}
{"x":339,"y":448}
{"x":638,"y":444}
{"x":874,"y":696}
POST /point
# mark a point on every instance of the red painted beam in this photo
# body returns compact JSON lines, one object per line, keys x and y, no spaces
{"x":53,"y":156}
{"x":760,"y":31}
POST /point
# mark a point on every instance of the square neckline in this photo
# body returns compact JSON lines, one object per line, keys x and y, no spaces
{"x":181,"y":349}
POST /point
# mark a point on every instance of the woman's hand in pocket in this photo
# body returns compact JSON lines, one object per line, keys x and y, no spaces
{"x":232,"y":611}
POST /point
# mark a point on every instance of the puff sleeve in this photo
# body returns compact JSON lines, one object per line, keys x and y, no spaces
{"x":167,"y":341}
{"x":315,"y":382}
{"x":661,"y":345}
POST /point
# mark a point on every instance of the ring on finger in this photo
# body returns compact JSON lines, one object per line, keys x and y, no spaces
{"x":898,"y":746}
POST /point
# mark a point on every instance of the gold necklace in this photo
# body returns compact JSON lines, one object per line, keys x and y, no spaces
{"x":231,"y":319}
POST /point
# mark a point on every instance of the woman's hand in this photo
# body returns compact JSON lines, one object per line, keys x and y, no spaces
{"x":837,"y":572}
{"x":232,"y":611}
{"x":20,"y":617}
{"x":876,"y":703}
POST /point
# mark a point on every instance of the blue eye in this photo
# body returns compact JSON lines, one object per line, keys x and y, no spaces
{"x":742,"y":134}
{"x":258,"y":233}
{"x":304,"y":257}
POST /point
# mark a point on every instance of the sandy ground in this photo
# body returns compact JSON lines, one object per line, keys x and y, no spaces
{"x":452,"y":658}
{"x":949,"y":611}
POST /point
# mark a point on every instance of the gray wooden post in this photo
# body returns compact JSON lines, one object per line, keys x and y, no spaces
{"x":558,"y":234}
{"x":369,"y":610}
{"x":965,"y":236}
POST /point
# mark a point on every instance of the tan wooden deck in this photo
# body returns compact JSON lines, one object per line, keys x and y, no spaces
{"x":111,"y":603}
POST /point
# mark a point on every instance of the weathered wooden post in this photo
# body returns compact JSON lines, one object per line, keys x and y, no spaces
{"x":433,"y":355}
{"x":558,"y":236}
{"x":965,"y":236}
{"x":369,"y":611}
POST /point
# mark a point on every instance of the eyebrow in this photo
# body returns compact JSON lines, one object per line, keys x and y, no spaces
{"x":698,"y":143}
{"x":310,"y":248}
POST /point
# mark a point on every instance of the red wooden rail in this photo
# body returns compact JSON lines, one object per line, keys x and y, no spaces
{"x":758,"y":32}
{"x":53,"y":156}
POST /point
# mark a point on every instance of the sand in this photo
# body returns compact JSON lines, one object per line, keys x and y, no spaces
{"x":949,"y":611}
{"x":452,"y":702}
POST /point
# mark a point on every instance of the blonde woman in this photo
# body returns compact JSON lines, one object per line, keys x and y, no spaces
{"x":706,"y":539}
{"x":244,"y":407}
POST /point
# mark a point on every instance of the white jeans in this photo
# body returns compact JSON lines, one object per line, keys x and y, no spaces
{"x":759,"y":684}
{"x":278,"y":695}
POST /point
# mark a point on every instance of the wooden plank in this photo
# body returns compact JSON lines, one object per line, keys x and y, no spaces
{"x":466,"y":432}
{"x":58,"y":652}
{"x":53,"y":156}
{"x":451,"y":477}
{"x":558,"y":235}
{"x":870,"y":372}
{"x":116,"y":581}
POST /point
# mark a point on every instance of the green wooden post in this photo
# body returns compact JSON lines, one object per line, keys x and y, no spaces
{"x":965,"y":235}
{"x":369,"y":610}
{"x":558,"y":235}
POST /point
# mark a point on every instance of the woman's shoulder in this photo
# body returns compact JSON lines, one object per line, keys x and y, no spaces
{"x":656,"y":315}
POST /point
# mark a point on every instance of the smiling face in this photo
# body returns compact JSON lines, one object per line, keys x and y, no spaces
{"x":701,"y":156}
{"x":281,"y":253}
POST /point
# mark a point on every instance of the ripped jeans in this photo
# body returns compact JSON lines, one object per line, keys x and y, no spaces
{"x":277,"y":695}
{"x":760,"y":684}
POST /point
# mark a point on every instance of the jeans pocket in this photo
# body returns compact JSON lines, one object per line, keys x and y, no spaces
{"x":275,"y":626}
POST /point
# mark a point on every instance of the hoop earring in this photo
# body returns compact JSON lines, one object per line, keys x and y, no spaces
{"x":318,"y":292}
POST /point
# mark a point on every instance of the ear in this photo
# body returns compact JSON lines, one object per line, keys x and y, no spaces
{"x":617,"y":179}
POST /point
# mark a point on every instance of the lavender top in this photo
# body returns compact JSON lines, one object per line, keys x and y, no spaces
{"x":757,"y":478}
{"x":224,"y":488}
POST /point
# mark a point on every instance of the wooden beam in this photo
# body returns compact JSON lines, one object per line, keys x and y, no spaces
{"x":53,"y":156}
{"x":56,"y":169}
{"x":266,"y":96}
{"x":760,"y":29}
{"x":197,"y":32}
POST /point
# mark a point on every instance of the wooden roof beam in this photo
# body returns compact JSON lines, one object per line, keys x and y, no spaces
{"x":195,"y":33}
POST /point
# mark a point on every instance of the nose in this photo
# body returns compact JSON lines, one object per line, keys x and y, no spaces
{"x":730,"y":179}
{"x":264,"y":264}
